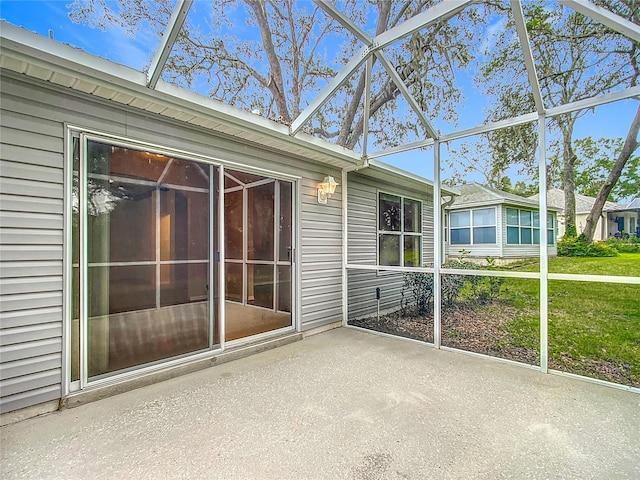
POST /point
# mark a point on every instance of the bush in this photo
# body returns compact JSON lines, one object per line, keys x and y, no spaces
{"x":624,"y":245}
{"x":578,"y":247}
{"x":420,"y":285}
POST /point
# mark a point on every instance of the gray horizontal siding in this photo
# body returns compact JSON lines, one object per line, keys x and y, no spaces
{"x":30,"y":397}
{"x":31,"y":223}
{"x":31,"y":269}
{"x":362,"y":244}
{"x":31,"y":239}
{"x":31,"y":366}
{"x":18,"y":203}
{"x":30,"y":253}
{"x":32,"y":316}
{"x":22,"y":351}
{"x":362,"y":292}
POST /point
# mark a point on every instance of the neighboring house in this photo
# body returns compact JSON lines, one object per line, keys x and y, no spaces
{"x":149,"y":231}
{"x":626,"y":218}
{"x":390,"y":223}
{"x":606,"y":225}
{"x":485,"y":222}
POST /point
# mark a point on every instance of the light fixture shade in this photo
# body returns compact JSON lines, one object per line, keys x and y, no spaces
{"x":326,"y":189}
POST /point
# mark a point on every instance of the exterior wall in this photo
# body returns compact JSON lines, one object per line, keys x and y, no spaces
{"x":600,"y":233}
{"x":31,"y":252}
{"x":32,"y":176}
{"x":362,"y":203}
{"x":501,"y":249}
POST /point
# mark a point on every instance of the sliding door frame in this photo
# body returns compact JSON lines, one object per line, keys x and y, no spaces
{"x":216,"y":257}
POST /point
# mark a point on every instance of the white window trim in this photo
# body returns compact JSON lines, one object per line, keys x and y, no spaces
{"x":471,"y":225}
{"x":539,"y":227}
{"x":401,"y":233}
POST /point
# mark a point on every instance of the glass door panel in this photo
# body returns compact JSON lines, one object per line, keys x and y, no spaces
{"x":258,"y":241}
{"x":260,"y":204}
{"x":148,"y":270}
{"x":260,"y":285}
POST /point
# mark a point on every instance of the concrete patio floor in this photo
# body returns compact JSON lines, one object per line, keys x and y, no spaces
{"x":341,"y":404}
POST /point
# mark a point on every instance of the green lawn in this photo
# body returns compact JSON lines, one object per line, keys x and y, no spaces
{"x":594,"y":328}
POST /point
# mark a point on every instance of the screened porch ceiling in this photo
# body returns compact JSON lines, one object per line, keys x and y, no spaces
{"x":361,"y":53}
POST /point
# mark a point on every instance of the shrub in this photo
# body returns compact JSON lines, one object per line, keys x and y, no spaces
{"x":578,"y":247}
{"x":420,"y":285}
{"x":417,"y":288}
{"x":625,"y":245}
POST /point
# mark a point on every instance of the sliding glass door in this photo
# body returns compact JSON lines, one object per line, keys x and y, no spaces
{"x":145,"y":257}
{"x":145,"y":271}
{"x":258,"y":254}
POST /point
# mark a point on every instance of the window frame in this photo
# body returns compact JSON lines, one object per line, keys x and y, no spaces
{"x":399,"y":233}
{"x":531,"y":227}
{"x":472,"y":227}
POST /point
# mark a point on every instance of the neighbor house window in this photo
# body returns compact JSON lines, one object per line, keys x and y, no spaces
{"x":523,"y":227}
{"x":473,"y":227}
{"x":399,"y":231}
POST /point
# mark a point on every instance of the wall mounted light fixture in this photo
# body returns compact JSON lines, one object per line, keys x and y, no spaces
{"x":326,"y":189}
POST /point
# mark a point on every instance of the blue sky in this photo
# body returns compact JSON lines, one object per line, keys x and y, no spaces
{"x":42,"y":16}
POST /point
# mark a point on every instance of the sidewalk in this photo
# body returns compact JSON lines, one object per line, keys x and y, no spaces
{"x":342,"y":404}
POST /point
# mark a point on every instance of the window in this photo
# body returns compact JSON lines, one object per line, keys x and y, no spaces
{"x":399,"y":231}
{"x":523,"y":227}
{"x":473,"y":227}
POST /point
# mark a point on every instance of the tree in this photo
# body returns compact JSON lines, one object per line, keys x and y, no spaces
{"x":289,"y":50}
{"x":630,"y":145}
{"x":576,"y":58}
{"x":629,"y":9}
{"x":596,"y":160}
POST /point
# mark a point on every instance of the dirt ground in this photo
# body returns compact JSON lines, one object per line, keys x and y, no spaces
{"x":483,"y":328}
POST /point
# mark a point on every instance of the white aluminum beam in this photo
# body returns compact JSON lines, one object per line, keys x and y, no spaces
{"x":439,"y":12}
{"x":176,"y":21}
{"x":521,"y":28}
{"x":437,"y":248}
{"x":490,"y":127}
{"x":367,"y":106}
{"x":406,"y":93}
{"x":544,"y":257}
{"x":604,"y":16}
{"x":402,"y":148}
{"x":331,"y":10}
{"x":333,"y":86}
{"x":631,"y":92}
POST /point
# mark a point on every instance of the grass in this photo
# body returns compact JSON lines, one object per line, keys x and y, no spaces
{"x":594,"y":328}
{"x":625,"y":264}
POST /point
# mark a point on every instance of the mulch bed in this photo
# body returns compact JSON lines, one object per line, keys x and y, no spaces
{"x":482,"y":328}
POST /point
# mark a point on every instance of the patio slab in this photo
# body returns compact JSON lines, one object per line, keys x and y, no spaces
{"x":341,"y":404}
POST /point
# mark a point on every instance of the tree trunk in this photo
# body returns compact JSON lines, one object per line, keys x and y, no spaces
{"x":568,"y":178}
{"x":630,"y":145}
{"x":276,"y":83}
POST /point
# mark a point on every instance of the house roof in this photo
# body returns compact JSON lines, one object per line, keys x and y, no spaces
{"x":632,"y":205}
{"x":555,"y":198}
{"x":39,"y":57}
{"x":635,"y":203}
{"x":476,"y":195}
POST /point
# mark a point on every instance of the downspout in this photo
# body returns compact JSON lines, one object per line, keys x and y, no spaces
{"x":443,"y":207}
